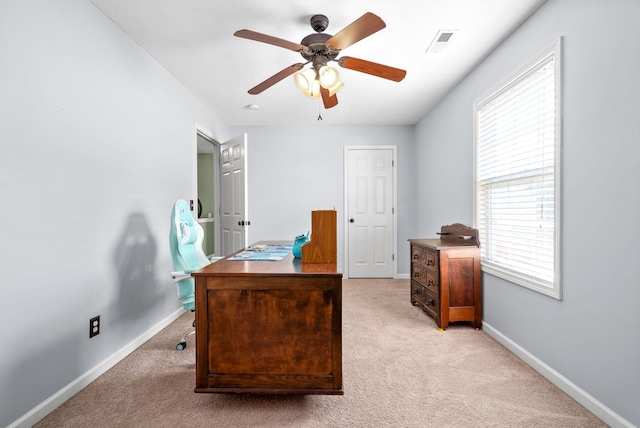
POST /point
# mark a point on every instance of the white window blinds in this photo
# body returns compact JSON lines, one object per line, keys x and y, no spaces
{"x":517,"y":157}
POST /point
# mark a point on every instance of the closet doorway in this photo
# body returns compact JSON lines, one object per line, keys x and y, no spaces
{"x":221,"y":191}
{"x":208,"y":191}
{"x":370,"y":201}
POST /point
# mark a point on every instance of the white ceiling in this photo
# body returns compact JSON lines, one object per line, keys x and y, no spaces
{"x":193,"y":40}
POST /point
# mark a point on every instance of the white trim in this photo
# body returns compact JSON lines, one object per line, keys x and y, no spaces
{"x":245,"y":147}
{"x":206,"y":134}
{"x":199,"y":129}
{"x":603,"y":412}
{"x":56,"y":400}
{"x":554,"y":50}
{"x":345,"y":228}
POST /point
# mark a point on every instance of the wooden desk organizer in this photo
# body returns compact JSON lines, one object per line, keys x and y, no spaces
{"x":322,"y":246}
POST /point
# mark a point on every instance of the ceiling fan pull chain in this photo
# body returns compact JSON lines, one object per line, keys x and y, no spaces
{"x":319,"y":111}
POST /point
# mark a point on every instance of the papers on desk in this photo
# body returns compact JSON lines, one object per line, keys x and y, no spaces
{"x":264,"y":253}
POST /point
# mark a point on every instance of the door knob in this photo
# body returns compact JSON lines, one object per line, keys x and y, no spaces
{"x":351,"y":220}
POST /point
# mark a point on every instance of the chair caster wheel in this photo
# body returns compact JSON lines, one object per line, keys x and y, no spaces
{"x":180,"y":346}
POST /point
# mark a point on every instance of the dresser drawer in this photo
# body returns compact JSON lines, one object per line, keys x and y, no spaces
{"x":418,"y":293}
{"x":425,"y":298}
{"x":431,"y":303}
{"x":424,"y":256}
{"x":424,"y":276}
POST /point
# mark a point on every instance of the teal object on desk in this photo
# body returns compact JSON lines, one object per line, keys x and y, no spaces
{"x":297,"y":245}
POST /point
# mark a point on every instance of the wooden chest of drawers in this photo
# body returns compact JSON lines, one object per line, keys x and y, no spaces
{"x":446,"y":279}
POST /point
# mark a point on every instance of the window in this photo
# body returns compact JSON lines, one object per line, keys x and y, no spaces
{"x":517,"y":189}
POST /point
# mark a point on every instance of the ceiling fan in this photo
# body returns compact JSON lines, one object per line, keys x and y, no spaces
{"x":320,"y":48}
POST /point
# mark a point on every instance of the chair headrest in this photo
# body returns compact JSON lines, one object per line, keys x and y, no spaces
{"x":182,"y":213}
{"x":188,"y":234}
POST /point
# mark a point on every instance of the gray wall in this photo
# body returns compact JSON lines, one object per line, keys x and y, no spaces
{"x":294,"y":170}
{"x":591,"y":336}
{"x":96,"y":143}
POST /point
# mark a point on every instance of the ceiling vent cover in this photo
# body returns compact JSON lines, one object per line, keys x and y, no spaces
{"x":440,"y":41}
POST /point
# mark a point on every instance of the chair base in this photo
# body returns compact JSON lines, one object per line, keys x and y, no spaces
{"x":183,"y":342}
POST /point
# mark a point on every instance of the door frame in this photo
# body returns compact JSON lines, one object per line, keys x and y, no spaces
{"x":394,"y":187}
{"x":200,"y":130}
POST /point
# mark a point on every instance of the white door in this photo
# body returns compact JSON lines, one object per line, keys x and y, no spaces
{"x":370,"y":200}
{"x":233,"y":193}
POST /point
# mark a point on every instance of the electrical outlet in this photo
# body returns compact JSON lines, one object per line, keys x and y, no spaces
{"x":94,"y":326}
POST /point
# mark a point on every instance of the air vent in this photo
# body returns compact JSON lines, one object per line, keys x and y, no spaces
{"x":440,"y":41}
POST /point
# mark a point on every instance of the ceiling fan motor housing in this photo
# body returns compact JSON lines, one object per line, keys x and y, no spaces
{"x":318,"y":52}
{"x":319,"y":23}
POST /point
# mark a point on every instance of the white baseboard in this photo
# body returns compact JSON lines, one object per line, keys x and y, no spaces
{"x":403,"y":276}
{"x":589,"y":402}
{"x":49,"y":405}
{"x":607,"y":415}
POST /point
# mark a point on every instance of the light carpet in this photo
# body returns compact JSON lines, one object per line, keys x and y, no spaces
{"x":398,"y":371}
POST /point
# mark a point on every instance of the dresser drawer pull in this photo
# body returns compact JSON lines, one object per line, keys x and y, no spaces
{"x":416,"y":274}
{"x":431,"y":262}
{"x":431,"y":283}
{"x":430,"y":302}
{"x":416,"y":257}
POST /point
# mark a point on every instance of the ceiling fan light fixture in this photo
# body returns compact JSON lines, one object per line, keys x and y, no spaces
{"x":328,"y":76}
{"x":304,"y":78}
{"x":307,"y":81}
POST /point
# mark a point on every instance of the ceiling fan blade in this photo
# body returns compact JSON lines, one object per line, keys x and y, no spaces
{"x":264,"y":38}
{"x":275,"y":78}
{"x":362,"y":27}
{"x":372,"y":68}
{"x":328,"y":100}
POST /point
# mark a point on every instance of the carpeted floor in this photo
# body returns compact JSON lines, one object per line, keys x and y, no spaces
{"x":398,"y":371}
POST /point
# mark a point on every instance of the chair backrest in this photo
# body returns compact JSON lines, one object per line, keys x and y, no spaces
{"x":185,"y":240}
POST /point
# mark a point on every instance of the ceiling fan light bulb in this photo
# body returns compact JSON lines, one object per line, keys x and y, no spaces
{"x":314,"y":91}
{"x":302,"y":80}
{"x":328,"y":76}
{"x":308,"y":82}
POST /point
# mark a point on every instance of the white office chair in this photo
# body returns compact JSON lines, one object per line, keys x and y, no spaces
{"x":185,"y":240}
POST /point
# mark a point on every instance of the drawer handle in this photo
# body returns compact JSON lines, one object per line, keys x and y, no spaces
{"x":430,"y":262}
{"x":430,"y":283}
{"x":415,"y":257}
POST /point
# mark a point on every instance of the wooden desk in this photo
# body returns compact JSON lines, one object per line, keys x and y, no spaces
{"x":269,"y":327}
